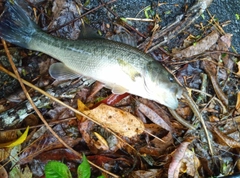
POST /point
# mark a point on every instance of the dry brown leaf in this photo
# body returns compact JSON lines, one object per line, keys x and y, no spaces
{"x":200,"y":46}
{"x":146,"y":173}
{"x":156,"y":147}
{"x":226,"y":40}
{"x":119,"y":121}
{"x":175,"y":165}
{"x":224,"y":139}
{"x":154,"y":117}
{"x":190,"y":164}
{"x":3,"y":172}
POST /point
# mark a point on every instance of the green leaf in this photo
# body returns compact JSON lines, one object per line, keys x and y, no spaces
{"x":84,"y":170}
{"x":167,"y":12}
{"x":123,"y":19}
{"x":237,"y":16}
{"x":87,"y":2}
{"x":55,"y":169}
{"x":102,"y":176}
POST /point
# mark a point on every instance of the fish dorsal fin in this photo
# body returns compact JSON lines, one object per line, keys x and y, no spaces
{"x":88,"y":33}
{"x":129,"y":69}
{"x":124,"y":38}
{"x":59,"y":71}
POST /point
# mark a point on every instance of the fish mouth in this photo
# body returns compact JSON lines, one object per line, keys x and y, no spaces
{"x":171,"y":100}
{"x":179,"y":92}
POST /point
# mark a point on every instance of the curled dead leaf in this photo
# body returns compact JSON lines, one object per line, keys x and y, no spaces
{"x":223,"y":139}
{"x":185,"y":161}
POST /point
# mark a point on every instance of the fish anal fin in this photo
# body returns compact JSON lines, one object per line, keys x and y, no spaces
{"x":129,"y":69}
{"x":59,"y":71}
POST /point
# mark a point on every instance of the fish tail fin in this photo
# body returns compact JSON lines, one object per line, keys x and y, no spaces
{"x":16,"y":26}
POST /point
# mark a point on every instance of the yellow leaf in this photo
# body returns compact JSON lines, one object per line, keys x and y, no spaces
{"x":19,"y":141}
{"x":81,"y":107}
{"x":119,"y":121}
{"x":238,"y":101}
{"x":102,"y":141}
{"x":238,"y":73}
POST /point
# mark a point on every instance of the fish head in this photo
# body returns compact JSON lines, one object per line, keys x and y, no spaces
{"x":161,"y":86}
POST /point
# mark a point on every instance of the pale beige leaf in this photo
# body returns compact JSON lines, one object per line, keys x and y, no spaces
{"x":119,"y":121}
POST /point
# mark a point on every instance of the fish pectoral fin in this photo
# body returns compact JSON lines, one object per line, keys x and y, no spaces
{"x":116,"y":89}
{"x":59,"y":71}
{"x":129,"y":69}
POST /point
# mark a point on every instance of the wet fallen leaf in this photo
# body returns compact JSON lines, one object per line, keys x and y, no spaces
{"x":153,"y":116}
{"x":156,"y":147}
{"x":226,"y":39}
{"x":200,"y":46}
{"x":3,"y":172}
{"x":121,"y":122}
{"x":211,"y":70}
{"x":19,"y":141}
{"x":177,"y":157}
{"x":146,"y":173}
{"x":224,"y":139}
{"x":43,"y":143}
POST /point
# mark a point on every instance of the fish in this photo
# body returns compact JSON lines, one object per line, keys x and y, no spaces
{"x":120,"y":67}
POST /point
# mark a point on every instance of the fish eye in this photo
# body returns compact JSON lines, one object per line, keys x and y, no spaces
{"x":170,"y":78}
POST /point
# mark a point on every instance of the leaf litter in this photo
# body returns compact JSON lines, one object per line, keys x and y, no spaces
{"x":133,"y":151}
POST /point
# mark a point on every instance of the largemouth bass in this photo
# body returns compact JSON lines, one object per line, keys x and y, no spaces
{"x":121,"y":67}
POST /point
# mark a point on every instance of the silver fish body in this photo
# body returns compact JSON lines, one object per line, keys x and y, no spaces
{"x":120,"y":67}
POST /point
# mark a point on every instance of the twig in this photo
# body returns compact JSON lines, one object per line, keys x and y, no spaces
{"x":203,"y":88}
{"x":22,"y":82}
{"x":195,"y":110}
{"x":139,"y":19}
{"x":181,"y":120}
